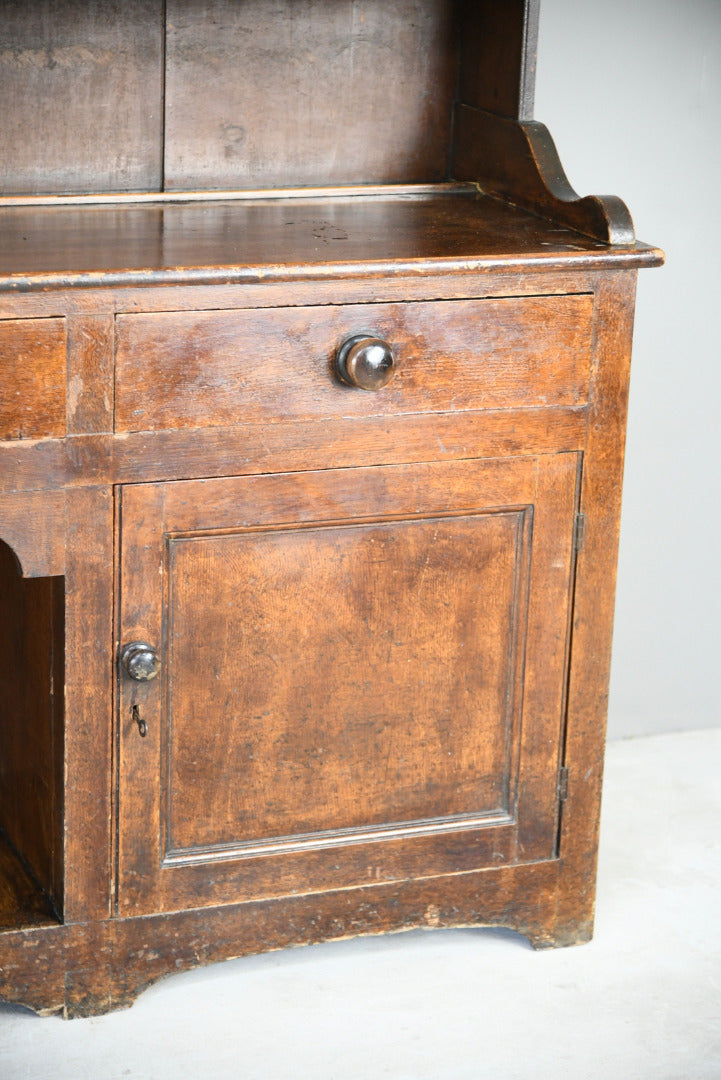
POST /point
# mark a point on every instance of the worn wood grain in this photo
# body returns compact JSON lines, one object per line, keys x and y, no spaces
{"x":22,"y":902}
{"x":32,"y":378}
{"x":299,"y":704}
{"x":32,"y":524}
{"x":592,"y":628}
{"x":90,"y":374}
{"x":81,"y":83}
{"x":546,"y":671}
{"x":243,"y":449}
{"x":90,"y":968}
{"x":194,"y":370}
{"x":327,"y":92}
{"x":519,"y":161}
{"x":89,"y":586}
{"x":498,"y":56}
{"x":284,"y":240}
{"x":380,"y":637}
{"x":316,"y":638}
{"x":527,"y":277}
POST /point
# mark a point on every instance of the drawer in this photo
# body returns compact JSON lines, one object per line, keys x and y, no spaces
{"x":32,"y":378}
{"x":216,"y":368}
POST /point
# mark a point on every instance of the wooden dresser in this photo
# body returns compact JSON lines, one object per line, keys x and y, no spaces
{"x":311,"y":440}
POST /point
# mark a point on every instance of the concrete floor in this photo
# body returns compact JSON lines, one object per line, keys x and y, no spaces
{"x":641,"y":1002}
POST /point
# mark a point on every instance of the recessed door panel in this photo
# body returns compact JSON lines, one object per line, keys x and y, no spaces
{"x":346,"y":674}
{"x":330,"y":690}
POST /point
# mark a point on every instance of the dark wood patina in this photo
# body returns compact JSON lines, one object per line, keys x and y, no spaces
{"x":313,"y":379}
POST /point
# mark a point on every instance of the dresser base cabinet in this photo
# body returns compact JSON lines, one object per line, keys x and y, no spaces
{"x":309,"y":496}
{"x":382,"y":636}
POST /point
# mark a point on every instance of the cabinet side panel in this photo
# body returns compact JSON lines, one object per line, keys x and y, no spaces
{"x":498,"y":56}
{"x":326,"y":92}
{"x":81,"y":83}
{"x":594,"y":604}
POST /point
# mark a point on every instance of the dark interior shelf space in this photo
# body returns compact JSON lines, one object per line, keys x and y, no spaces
{"x":22,"y":901}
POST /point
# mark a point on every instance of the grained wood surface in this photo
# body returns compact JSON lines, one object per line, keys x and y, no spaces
{"x":89,"y":968}
{"x":82,"y":95}
{"x":360,"y":678}
{"x":32,"y":378}
{"x":572,"y":274}
{"x":363,"y":676}
{"x":93,"y":966}
{"x":498,"y":56}
{"x":90,"y":374}
{"x":22,"y":903}
{"x":379,"y":639}
{"x":519,"y":162}
{"x":244,"y":449}
{"x":215,"y":368}
{"x":306,"y":92}
{"x":281,"y":239}
{"x":592,"y":629}
{"x":32,"y":524}
{"x":209,"y":94}
{"x":90,"y":578}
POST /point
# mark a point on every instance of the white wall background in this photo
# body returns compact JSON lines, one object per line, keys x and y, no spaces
{"x":631,"y":92}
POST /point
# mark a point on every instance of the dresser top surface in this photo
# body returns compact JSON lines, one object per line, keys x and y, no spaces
{"x":74,"y":243}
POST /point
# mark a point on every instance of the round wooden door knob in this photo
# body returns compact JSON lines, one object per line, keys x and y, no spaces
{"x":140,"y":661}
{"x":366,"y":362}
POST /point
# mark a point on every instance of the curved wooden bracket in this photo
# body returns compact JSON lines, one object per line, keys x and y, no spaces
{"x":32,"y":524}
{"x":517,"y":161}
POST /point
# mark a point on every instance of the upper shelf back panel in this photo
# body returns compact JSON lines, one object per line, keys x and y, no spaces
{"x":308,"y":92}
{"x":178,"y":95}
{"x":81,"y":93}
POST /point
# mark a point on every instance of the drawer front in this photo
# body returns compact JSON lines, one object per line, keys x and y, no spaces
{"x":218,"y":368}
{"x":32,"y":378}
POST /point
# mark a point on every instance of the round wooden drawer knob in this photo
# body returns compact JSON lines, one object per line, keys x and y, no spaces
{"x":366,"y":362}
{"x":140,"y":661}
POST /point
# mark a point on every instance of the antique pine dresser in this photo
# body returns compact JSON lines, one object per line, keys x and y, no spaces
{"x":313,"y":379}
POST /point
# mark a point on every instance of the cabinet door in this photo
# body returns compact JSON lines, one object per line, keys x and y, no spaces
{"x":361,"y":677}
